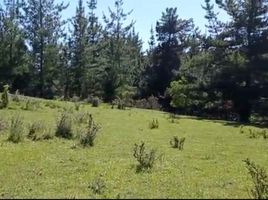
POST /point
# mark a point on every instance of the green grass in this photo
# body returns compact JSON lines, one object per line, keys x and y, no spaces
{"x":210,"y":166}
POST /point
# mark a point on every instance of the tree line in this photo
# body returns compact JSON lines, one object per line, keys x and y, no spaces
{"x":222,"y":73}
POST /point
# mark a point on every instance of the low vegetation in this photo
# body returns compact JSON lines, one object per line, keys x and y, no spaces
{"x":16,"y":129}
{"x":28,"y":145}
{"x":146,"y":158}
{"x":64,"y":126}
{"x":260,"y":180}
{"x":87,"y":139}
{"x":177,"y":143}
{"x":154,"y":124}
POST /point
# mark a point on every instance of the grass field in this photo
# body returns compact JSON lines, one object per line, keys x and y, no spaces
{"x":210,"y":166}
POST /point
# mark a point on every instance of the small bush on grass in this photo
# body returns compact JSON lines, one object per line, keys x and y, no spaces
{"x":31,"y":105}
{"x":145,"y":158}
{"x":264,"y":134}
{"x":97,"y":185}
{"x":77,"y":106}
{"x":260,"y":180}
{"x":177,"y":143}
{"x":154,"y":124}
{"x":81,"y":117}
{"x":3,"y":125}
{"x":96,"y":102}
{"x":242,"y":130}
{"x":87,"y":139}
{"x":16,"y":96}
{"x":119,"y":103}
{"x":16,"y":129}
{"x":4,"y":98}
{"x":38,"y":131}
{"x":64,"y":127}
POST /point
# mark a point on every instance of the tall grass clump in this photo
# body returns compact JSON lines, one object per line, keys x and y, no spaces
{"x":64,"y":126}
{"x":38,"y":131}
{"x":260,"y":180}
{"x":16,"y":129}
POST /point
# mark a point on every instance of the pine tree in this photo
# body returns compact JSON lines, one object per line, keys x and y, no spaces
{"x":43,"y":27}
{"x":117,"y":68}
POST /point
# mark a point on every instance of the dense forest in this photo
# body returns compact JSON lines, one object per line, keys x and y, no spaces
{"x":222,"y":74}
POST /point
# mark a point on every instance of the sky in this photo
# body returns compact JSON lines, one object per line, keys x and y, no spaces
{"x":147,"y":12}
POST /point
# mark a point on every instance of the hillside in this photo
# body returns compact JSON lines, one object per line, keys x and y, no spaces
{"x":210,"y":165}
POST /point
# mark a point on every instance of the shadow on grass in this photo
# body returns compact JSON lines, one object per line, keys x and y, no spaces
{"x":262,"y":124}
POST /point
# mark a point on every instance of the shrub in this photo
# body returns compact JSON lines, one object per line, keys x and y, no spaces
{"x":153,"y":103}
{"x":87,"y":139}
{"x":120,"y":104}
{"x":259,"y":178}
{"x":16,"y":96}
{"x":145,"y":158}
{"x":3,"y":125}
{"x":64,"y":127}
{"x":38,"y":131}
{"x":52,"y":105}
{"x":81,"y":117}
{"x":97,"y":185}
{"x":16,"y":129}
{"x":241,"y":130}
{"x":4,"y":97}
{"x":253,"y":134}
{"x":77,"y":106}
{"x":75,"y":99}
{"x":177,"y":143}
{"x":264,"y":134}
{"x":154,"y":124}
{"x":95,"y":102}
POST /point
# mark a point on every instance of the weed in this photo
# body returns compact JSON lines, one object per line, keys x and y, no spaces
{"x":154,"y":124}
{"x":260,"y":180}
{"x":96,"y":102}
{"x":87,"y":139}
{"x":81,"y":117}
{"x":16,"y":129}
{"x":145,"y":158}
{"x":77,"y":106}
{"x":64,"y":127}
{"x":4,"y":97}
{"x":38,"y":131}
{"x":177,"y":143}
{"x":97,"y":185}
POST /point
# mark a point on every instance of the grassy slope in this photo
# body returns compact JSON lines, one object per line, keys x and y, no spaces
{"x":209,"y":167}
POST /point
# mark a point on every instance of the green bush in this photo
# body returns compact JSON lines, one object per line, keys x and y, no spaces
{"x":260,"y":180}
{"x":16,"y":129}
{"x":96,"y":102}
{"x":145,"y":158}
{"x":64,"y":127}
{"x":120,"y":103}
{"x":87,"y":139}
{"x":77,"y":106}
{"x":4,"y":97}
{"x":264,"y":134}
{"x":16,"y":96}
{"x":177,"y":143}
{"x":81,"y":117}
{"x":3,"y":125}
{"x":97,"y":186}
{"x":154,"y":124}
{"x":38,"y":131}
